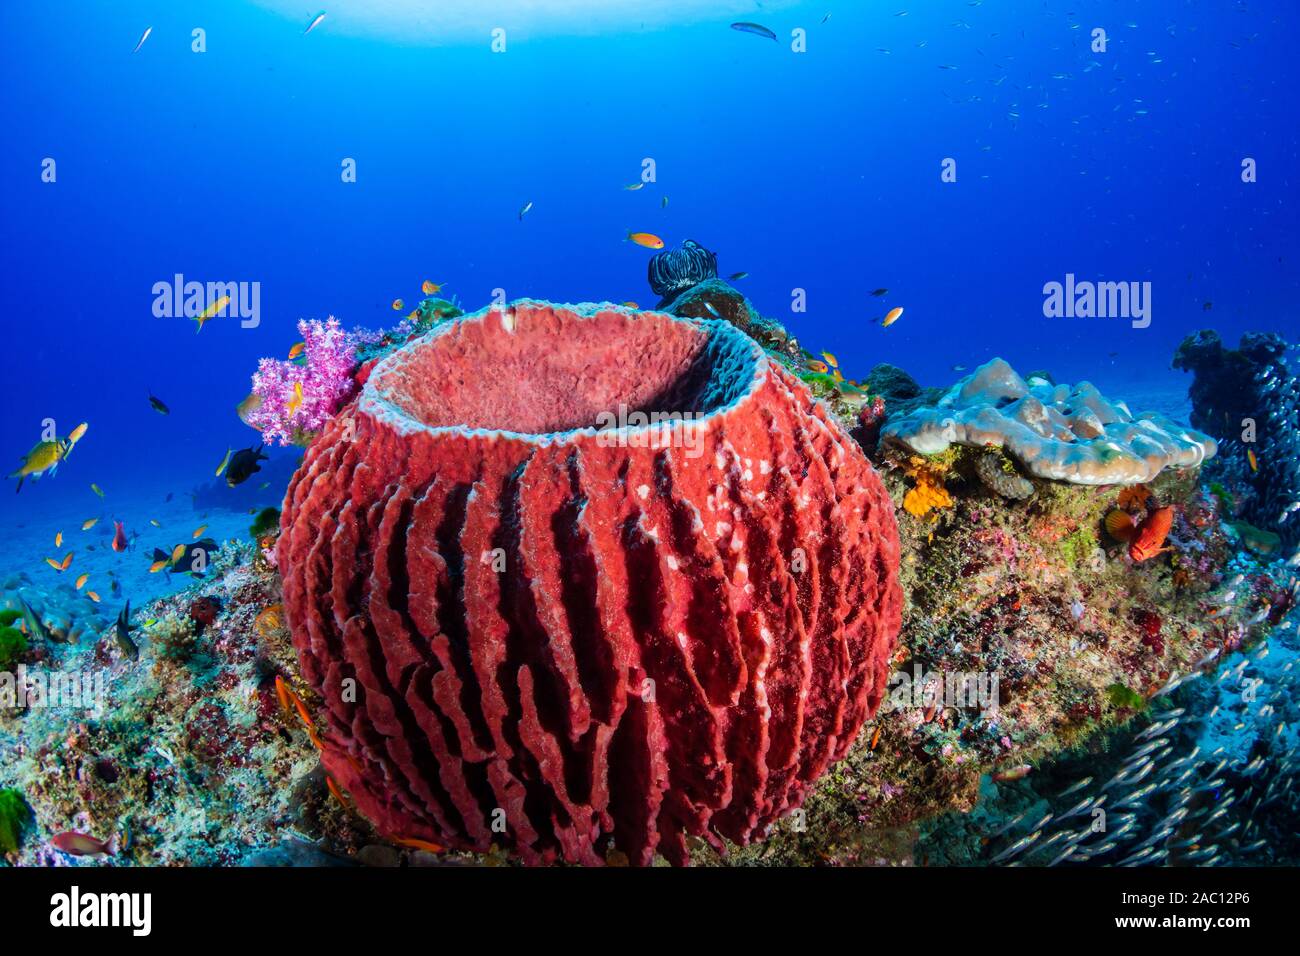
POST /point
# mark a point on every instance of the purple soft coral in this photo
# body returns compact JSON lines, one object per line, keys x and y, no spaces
{"x":325,"y":380}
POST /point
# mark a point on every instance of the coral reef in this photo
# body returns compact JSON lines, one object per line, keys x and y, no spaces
{"x":1053,"y":431}
{"x":296,"y":400}
{"x":1251,"y":395}
{"x":606,"y":638}
{"x":999,"y":476}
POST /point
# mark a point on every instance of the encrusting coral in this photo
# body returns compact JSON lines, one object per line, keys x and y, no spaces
{"x":1054,"y":431}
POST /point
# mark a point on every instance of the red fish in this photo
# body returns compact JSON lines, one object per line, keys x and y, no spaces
{"x":119,"y":536}
{"x":81,"y":844}
{"x":1147,"y":539}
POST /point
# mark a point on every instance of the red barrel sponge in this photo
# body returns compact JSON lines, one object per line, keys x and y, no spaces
{"x":575,"y":579}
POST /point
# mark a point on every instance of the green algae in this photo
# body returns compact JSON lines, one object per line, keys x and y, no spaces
{"x":13,"y":645}
{"x":9,"y":615}
{"x":14,"y":817}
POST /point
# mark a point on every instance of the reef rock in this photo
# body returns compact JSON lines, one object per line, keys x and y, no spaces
{"x":524,"y":603}
{"x":1065,"y":433}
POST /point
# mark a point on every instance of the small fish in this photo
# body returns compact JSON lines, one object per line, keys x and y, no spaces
{"x":316,"y":21}
{"x":82,"y":844}
{"x":959,"y":368}
{"x":245,"y":408}
{"x":875,"y":738}
{"x":891,"y":317}
{"x":398,"y":305}
{"x":879,"y":292}
{"x":296,"y":349}
{"x":429,"y":287}
{"x":178,"y":552}
{"x":225,"y":461}
{"x":634,"y":187}
{"x":75,"y":436}
{"x":81,"y":581}
{"x":737,"y":276}
{"x":831,"y":360}
{"x":199,"y":530}
{"x":58,"y":539}
{"x":155,"y":522}
{"x":210,"y":312}
{"x":755,"y":28}
{"x":646,"y":240}
{"x":243,"y":464}
{"x":158,"y":566}
{"x":424,"y":845}
{"x":821,"y":368}
{"x":630,"y":305}
{"x":1014,"y":773}
{"x":96,"y":489}
{"x":54,"y":564}
{"x":89,"y":523}
{"x":93,"y":596}
{"x":119,"y":536}
{"x":1250,"y":457}
{"x":282,"y":693}
{"x":158,"y":405}
{"x":143,"y":36}
{"x":295,"y":402}
{"x":527,"y":206}
{"x":663,"y":203}
{"x":122,"y":631}
{"x":1146,"y":540}
{"x":335,"y":792}
{"x":43,"y":459}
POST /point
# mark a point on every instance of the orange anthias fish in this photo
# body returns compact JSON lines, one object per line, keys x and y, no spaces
{"x":415,"y":844}
{"x":81,"y":844}
{"x":821,"y":368}
{"x":1146,"y":540}
{"x":646,"y":240}
{"x":119,"y":536}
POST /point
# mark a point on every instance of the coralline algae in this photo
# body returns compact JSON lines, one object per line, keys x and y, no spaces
{"x":573,"y":641}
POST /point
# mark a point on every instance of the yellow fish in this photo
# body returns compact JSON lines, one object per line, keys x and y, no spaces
{"x":178,"y":552}
{"x":199,"y":530}
{"x":821,"y":368}
{"x":1250,"y":457}
{"x":431,"y":288}
{"x":646,"y":240}
{"x":295,"y":403}
{"x":67,"y":559}
{"x":891,"y":317}
{"x":88,"y":524}
{"x":81,"y":581}
{"x":211,"y":311}
{"x":157,"y":566}
{"x":58,"y":540}
{"x":54,"y":564}
{"x":43,"y":459}
{"x":630,"y":305}
{"x":830,"y":360}
{"x":224,"y":462}
{"x":93,"y":596}
{"x":296,"y":349}
{"x":398,"y":305}
{"x":96,"y":489}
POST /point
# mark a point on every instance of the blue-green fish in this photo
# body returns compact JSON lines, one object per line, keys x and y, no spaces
{"x":755,"y":28}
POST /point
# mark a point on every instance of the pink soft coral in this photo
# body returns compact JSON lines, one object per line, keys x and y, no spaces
{"x":326,"y":380}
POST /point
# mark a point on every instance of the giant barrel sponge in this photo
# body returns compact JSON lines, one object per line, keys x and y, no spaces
{"x":543,"y":617}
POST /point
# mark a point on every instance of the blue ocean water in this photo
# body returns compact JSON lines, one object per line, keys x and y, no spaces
{"x":816,"y":170}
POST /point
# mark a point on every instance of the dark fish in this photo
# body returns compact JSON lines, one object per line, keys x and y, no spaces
{"x":879,"y":292}
{"x":755,"y":28}
{"x":122,"y":631}
{"x":243,"y":464}
{"x":159,"y":405}
{"x":737,"y":276}
{"x":194,"y":560}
